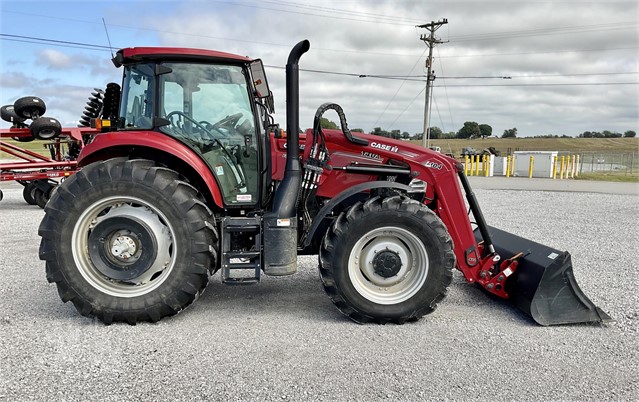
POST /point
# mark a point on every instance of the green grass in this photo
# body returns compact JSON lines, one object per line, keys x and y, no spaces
{"x":33,"y":146}
{"x":621,"y":177}
{"x":564,"y":145}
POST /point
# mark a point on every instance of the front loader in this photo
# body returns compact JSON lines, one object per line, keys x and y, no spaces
{"x":189,"y":176}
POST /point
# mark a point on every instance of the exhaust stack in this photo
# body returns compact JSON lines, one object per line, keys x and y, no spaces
{"x":285,"y":202}
{"x":280,"y":225}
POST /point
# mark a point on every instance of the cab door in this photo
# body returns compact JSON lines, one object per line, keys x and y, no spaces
{"x":208,"y":107}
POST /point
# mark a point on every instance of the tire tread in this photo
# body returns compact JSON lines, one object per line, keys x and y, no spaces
{"x":340,"y":228}
{"x":198,"y":219}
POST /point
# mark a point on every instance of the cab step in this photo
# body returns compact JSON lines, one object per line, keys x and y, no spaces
{"x":241,"y":267}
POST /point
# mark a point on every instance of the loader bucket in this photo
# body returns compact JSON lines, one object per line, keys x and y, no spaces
{"x":544,"y":285}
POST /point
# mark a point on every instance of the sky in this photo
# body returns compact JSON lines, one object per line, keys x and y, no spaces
{"x":573,"y":66}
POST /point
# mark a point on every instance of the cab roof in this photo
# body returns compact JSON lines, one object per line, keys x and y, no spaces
{"x":137,"y":54}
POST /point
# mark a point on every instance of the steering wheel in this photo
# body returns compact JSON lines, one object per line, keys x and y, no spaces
{"x":181,"y":115}
{"x":230,"y":120}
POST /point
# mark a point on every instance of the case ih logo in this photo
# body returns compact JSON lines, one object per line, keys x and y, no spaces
{"x":434,"y":165}
{"x":384,"y":147}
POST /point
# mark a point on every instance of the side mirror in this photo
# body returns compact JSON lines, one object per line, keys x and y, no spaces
{"x":260,"y":84}
{"x":259,"y":79}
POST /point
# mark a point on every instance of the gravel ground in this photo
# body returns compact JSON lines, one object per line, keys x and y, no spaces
{"x":284,"y":340}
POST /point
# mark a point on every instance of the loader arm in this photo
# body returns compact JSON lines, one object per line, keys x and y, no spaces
{"x":538,"y":279}
{"x":477,"y":260}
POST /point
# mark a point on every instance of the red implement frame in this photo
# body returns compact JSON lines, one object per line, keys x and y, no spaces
{"x":35,"y":166}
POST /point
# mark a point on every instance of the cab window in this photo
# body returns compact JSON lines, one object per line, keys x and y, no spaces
{"x":136,"y":109}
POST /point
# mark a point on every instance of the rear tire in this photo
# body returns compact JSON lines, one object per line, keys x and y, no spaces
{"x":125,"y":240}
{"x":386,"y":260}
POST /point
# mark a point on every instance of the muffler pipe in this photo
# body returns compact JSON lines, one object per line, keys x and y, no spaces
{"x":280,"y":225}
{"x":285,"y":200}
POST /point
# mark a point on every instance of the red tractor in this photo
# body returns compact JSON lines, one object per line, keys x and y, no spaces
{"x":190,"y":176}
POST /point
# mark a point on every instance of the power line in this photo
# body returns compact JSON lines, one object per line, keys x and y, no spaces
{"x":548,"y":31}
{"x":542,"y":85}
{"x":400,"y":87}
{"x":252,"y":41}
{"x":450,"y":112}
{"x":459,"y":85}
{"x":340,"y":11}
{"x":51,"y":44}
{"x":573,"y":75}
{"x":468,"y":85}
{"x":357,"y":75}
{"x":375,"y":21}
{"x":538,"y":30}
{"x":533,"y":53}
{"x":89,"y":46}
{"x":406,"y":108}
{"x":438,"y":114}
{"x":53,"y":41}
{"x":542,"y":75}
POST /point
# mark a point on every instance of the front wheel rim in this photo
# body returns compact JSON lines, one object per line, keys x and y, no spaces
{"x":398,"y":284}
{"x":162,"y":255}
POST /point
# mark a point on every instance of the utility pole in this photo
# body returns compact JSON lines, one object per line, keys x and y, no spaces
{"x":430,"y":40}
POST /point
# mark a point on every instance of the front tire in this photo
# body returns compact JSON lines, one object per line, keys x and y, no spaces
{"x":386,"y":260}
{"x":125,"y":240}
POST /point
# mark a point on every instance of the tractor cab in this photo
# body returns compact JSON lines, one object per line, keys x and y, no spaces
{"x":212,"y":102}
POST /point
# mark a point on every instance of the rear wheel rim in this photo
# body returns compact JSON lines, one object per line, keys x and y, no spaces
{"x":402,"y":280}
{"x":163,"y":256}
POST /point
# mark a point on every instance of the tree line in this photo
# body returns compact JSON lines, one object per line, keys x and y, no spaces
{"x":472,"y":129}
{"x":607,"y":134}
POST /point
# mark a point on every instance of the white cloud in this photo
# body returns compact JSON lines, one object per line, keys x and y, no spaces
{"x":558,"y":37}
{"x":56,"y":60}
{"x":557,"y":42}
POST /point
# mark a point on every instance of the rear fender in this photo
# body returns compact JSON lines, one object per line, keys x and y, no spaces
{"x":110,"y":145}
